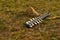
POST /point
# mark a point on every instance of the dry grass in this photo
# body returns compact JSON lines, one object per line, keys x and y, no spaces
{"x":13,"y":18}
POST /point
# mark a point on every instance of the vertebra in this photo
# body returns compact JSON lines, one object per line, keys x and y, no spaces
{"x":36,"y":20}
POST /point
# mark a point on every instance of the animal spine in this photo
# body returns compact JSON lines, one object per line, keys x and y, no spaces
{"x":36,"y":20}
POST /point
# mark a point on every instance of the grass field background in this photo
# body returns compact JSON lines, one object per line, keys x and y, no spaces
{"x":13,"y":18}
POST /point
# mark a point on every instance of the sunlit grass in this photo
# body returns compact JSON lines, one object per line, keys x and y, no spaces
{"x":13,"y":18}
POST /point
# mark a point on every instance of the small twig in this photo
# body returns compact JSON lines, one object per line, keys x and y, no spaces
{"x":52,"y":18}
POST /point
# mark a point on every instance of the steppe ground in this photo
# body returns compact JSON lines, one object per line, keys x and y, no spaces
{"x":13,"y":18}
